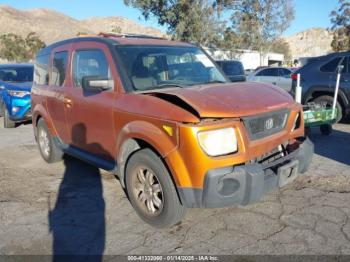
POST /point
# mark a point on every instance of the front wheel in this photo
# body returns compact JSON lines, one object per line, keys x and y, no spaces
{"x":8,"y":123}
{"x":151,"y":190}
{"x":49,"y":150}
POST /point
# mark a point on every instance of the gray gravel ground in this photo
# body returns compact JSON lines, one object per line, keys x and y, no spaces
{"x":71,"y":207}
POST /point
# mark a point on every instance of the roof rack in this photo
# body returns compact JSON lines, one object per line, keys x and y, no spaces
{"x":126,"y":35}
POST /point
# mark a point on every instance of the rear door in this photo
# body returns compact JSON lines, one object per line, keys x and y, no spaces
{"x":56,"y":91}
{"x":285,"y":80}
{"x":90,"y":114}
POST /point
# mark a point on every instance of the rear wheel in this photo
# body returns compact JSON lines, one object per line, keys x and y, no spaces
{"x":49,"y":150}
{"x":328,"y":101}
{"x":151,"y":190}
{"x":8,"y":123}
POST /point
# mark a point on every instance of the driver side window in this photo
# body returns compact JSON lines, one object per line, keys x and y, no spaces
{"x":90,"y":63}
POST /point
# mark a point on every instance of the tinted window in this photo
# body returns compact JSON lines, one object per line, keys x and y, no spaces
{"x":285,"y":72}
{"x":16,"y":74}
{"x":41,"y":73}
{"x":268,"y":72}
{"x":331,"y":65}
{"x":89,"y":63}
{"x":232,"y":68}
{"x":152,"y":67}
{"x":59,"y":67}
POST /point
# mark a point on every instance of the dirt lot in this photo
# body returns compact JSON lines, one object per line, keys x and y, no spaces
{"x":71,"y":207}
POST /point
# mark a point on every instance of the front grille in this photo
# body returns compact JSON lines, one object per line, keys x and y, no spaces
{"x":266,"y":125}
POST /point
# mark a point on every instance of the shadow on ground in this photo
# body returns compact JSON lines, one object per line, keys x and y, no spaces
{"x":77,"y":222}
{"x":335,"y":147}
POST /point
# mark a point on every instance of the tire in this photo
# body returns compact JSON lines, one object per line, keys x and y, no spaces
{"x":329,"y":102}
{"x":8,"y":123}
{"x":49,"y":150}
{"x":326,"y":130}
{"x":156,"y":203}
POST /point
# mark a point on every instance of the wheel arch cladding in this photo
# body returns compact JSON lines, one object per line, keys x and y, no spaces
{"x":40,"y":112}
{"x":137,"y":135}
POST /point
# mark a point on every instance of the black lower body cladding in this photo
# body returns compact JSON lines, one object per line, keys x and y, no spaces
{"x":245,"y":184}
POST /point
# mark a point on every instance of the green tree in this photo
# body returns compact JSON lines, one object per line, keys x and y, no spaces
{"x":18,"y":49}
{"x":258,"y":23}
{"x":186,"y":20}
{"x":116,"y":29}
{"x":33,"y":44}
{"x":340,"y":19}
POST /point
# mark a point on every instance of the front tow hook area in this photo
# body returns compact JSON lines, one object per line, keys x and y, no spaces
{"x":288,"y":173}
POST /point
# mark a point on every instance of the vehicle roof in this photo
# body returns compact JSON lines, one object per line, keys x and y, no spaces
{"x":114,"y":40}
{"x":272,"y":67}
{"x":335,"y":54}
{"x":16,"y":65}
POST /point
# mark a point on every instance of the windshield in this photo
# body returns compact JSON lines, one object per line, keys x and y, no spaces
{"x":16,"y":74}
{"x":154,"y":67}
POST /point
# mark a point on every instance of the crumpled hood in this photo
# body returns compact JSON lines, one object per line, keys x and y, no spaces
{"x":230,"y":100}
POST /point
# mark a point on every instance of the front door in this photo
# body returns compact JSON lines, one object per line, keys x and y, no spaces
{"x":90,"y":116}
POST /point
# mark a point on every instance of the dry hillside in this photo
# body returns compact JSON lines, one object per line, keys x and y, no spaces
{"x":52,"y":26}
{"x":311,"y":42}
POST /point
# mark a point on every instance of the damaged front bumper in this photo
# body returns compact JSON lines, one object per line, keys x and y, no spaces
{"x":245,"y":184}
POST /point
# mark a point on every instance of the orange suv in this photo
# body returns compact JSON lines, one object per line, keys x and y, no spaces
{"x":164,"y":118}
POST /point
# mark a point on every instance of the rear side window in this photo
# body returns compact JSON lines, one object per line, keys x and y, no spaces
{"x":89,"y":63}
{"x":59,"y":67}
{"x":331,"y":66}
{"x":41,"y":73}
{"x":268,"y":72}
{"x":284,"y":72}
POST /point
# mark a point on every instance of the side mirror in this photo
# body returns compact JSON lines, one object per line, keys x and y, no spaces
{"x":96,"y":83}
{"x":287,"y":76}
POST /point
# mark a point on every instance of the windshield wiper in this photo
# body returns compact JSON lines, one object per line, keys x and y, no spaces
{"x":214,"y":82}
{"x":167,"y":85}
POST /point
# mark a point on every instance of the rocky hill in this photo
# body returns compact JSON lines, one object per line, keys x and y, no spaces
{"x":52,"y":26}
{"x":311,"y":42}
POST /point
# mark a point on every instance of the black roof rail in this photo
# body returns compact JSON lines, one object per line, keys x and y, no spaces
{"x":126,"y":35}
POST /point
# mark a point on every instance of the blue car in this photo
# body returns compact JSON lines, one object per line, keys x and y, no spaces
{"x":15,"y":85}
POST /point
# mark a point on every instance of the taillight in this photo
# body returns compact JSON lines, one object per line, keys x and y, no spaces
{"x":294,"y":77}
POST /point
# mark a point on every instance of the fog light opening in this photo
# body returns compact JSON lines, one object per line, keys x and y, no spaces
{"x":228,"y":186}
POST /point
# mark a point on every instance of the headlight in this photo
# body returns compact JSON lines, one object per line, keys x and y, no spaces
{"x":18,"y":93}
{"x":218,"y":142}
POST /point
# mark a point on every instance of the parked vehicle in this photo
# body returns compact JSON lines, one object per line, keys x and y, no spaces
{"x":162,"y":116}
{"x":233,"y":69}
{"x":279,"y":76}
{"x":15,"y":85}
{"x":318,"y":80}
